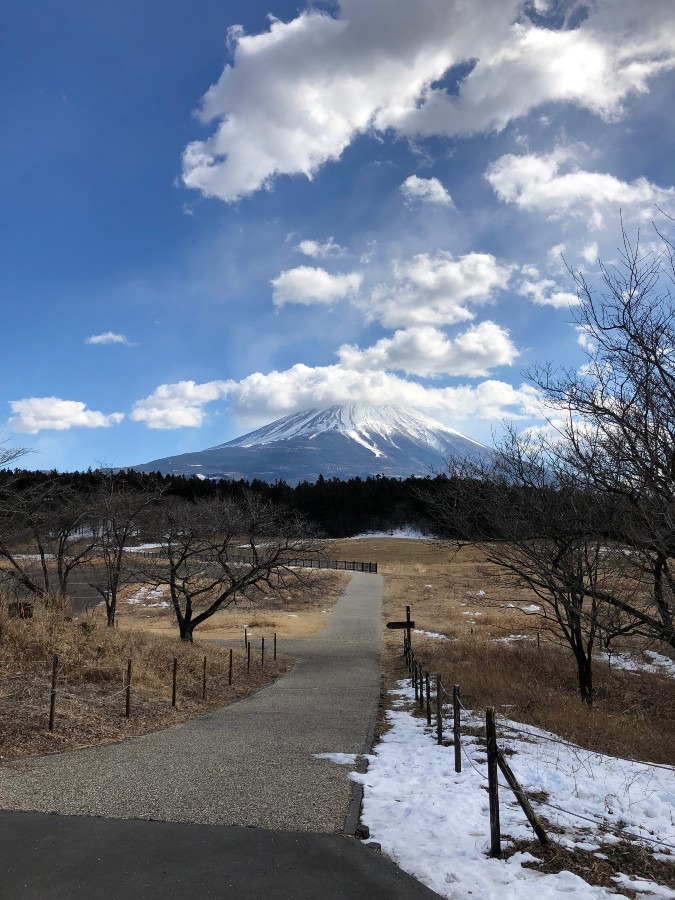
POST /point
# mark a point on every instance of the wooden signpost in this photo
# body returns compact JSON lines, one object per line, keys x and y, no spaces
{"x":407,"y":624}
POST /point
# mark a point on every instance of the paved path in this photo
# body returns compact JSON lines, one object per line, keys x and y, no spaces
{"x":250,"y":763}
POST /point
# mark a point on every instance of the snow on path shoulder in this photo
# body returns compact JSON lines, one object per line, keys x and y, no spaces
{"x":435,"y":823}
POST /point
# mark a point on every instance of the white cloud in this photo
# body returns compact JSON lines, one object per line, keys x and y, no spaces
{"x":318,"y":250}
{"x":296,"y":95}
{"x":178,"y":405}
{"x":259,"y":398}
{"x":590,"y":253}
{"x":437,"y":289}
{"x":308,"y":285}
{"x":426,"y":351}
{"x":108,"y":337}
{"x":34,"y":414}
{"x":427,"y":190}
{"x":537,"y":184}
{"x":545,"y":292}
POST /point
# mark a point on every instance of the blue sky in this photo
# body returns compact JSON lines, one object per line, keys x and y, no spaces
{"x":217,"y":214}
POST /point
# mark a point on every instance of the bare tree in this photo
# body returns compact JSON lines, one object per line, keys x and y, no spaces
{"x":537,"y":528}
{"x":120,"y":507}
{"x":616,"y":418}
{"x":217,"y":551}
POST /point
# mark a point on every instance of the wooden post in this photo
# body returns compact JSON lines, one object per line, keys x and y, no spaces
{"x":275,"y":645}
{"x":493,"y":783}
{"x":52,"y":696}
{"x":414,"y":675}
{"x":522,"y":798}
{"x":204,"y":680}
{"x":439,"y":711}
{"x":420,"y":677}
{"x":428,"y":689}
{"x":127,"y":709}
{"x":248,"y":657}
{"x":229,"y":676}
{"x":262,"y":654}
{"x":456,"y":729}
{"x":173,"y":688}
{"x":245,"y":636}
{"x":407,"y":627}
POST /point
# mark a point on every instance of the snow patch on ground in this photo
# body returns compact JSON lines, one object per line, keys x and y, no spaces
{"x":411,"y":534}
{"x":431,"y":634}
{"x":342,"y":759}
{"x":659,"y":665}
{"x":435,"y":823}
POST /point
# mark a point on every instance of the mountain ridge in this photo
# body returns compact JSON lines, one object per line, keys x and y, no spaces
{"x":344,"y":441}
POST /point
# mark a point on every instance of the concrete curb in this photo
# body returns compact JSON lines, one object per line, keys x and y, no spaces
{"x":356,"y":800}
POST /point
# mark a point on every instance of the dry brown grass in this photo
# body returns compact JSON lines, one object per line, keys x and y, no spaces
{"x":530,"y":680}
{"x":297,"y":612}
{"x":92,"y":665}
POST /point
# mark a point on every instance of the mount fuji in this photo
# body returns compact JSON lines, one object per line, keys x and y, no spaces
{"x":355,"y":439}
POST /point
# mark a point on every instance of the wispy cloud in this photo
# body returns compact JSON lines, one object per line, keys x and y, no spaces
{"x":109,"y":337}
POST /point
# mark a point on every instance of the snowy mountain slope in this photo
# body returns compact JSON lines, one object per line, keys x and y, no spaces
{"x":340,"y":441}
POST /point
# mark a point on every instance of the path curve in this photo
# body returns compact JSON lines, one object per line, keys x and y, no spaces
{"x":250,"y":763}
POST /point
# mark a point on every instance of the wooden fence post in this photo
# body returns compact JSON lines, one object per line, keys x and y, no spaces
{"x":493,"y":782}
{"x":127,"y":709}
{"x":414,"y":678}
{"x":173,"y":688}
{"x":229,"y":675}
{"x":204,"y":680}
{"x":439,"y":711}
{"x":52,"y":696}
{"x":248,"y":657}
{"x":456,"y":727}
{"x":428,"y":689}
{"x":421,"y":680}
{"x":275,"y":645}
{"x":262,"y":654}
{"x":522,"y":798}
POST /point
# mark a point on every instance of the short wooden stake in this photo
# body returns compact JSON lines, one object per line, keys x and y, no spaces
{"x":428,"y":690}
{"x":456,"y":727}
{"x":127,"y":709}
{"x":229,"y":675}
{"x":521,"y":798}
{"x":439,"y":711}
{"x":52,"y":696}
{"x":493,"y":782}
{"x":245,"y":636}
{"x":204,"y":680}
{"x":248,"y":657}
{"x":173,"y":687}
{"x":262,"y":653}
{"x":275,"y":645}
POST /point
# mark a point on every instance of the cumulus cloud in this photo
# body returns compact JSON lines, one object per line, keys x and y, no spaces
{"x":539,"y":183}
{"x":319,"y":250}
{"x":437,"y":289}
{"x":545,"y":292}
{"x":427,"y":190}
{"x":179,"y":405}
{"x":426,"y":351}
{"x":262,"y":397}
{"x":34,"y":414}
{"x":296,"y":95}
{"x":309,"y":285}
{"x":108,"y":337}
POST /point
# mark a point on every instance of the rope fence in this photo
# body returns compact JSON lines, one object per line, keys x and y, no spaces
{"x":421,"y":682}
{"x":203,"y":684}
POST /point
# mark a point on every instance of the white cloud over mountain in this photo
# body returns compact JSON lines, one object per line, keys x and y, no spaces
{"x":298,"y":94}
{"x":427,"y":351}
{"x":34,"y":414}
{"x":179,"y":405}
